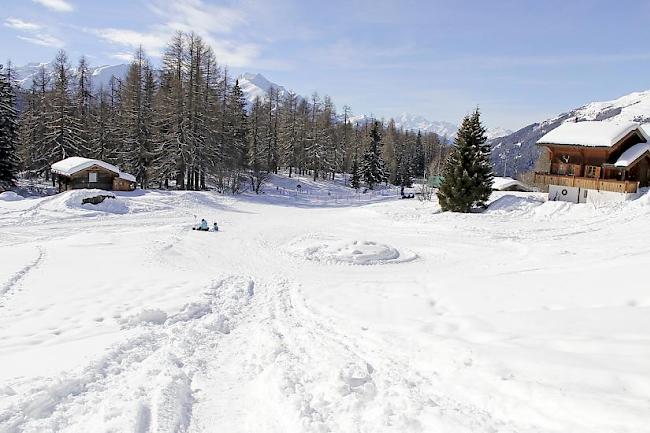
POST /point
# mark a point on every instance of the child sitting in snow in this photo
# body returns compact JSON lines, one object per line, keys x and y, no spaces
{"x":203,"y":226}
{"x":215,"y":227}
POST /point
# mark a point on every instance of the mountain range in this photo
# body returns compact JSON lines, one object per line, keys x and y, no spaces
{"x":100,"y":75}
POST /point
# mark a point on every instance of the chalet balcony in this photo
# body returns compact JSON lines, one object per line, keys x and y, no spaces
{"x":612,"y":185}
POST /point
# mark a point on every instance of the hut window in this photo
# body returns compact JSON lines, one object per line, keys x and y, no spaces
{"x":92,"y":177}
{"x":592,"y":171}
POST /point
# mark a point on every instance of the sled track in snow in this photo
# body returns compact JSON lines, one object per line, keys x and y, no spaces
{"x":103,"y":395}
{"x":330,"y":382}
{"x":14,"y":281}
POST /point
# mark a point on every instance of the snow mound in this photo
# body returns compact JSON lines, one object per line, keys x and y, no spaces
{"x":73,"y":200}
{"x":147,"y":316}
{"x":357,"y":379}
{"x":10,"y":196}
{"x":354,"y":252}
{"x":513,"y":203}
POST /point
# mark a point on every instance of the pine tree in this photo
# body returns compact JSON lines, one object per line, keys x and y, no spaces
{"x":288,"y":132}
{"x":419,"y":156}
{"x":404,"y":175}
{"x":83,"y":96}
{"x":64,"y":132}
{"x":236,"y":128}
{"x":467,"y":175}
{"x":373,"y":163}
{"x":257,"y":172}
{"x":8,"y":132}
{"x":355,"y":180}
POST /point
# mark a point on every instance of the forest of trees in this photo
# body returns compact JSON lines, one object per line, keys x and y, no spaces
{"x":187,"y":125}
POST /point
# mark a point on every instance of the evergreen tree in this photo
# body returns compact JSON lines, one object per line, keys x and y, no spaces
{"x":404,"y":175}
{"x":236,"y":128}
{"x":373,"y":163}
{"x":64,"y":135}
{"x":288,"y":132}
{"x":355,"y":180}
{"x":8,"y":131}
{"x":467,"y":175}
{"x":83,"y":97}
{"x":33,"y":126}
{"x":314,"y":149}
{"x":419,"y":156}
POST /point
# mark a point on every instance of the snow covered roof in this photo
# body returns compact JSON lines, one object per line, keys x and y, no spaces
{"x":75,"y":164}
{"x":503,"y":183}
{"x":127,"y":176}
{"x":590,"y":134}
{"x":632,"y":154}
{"x":644,"y":128}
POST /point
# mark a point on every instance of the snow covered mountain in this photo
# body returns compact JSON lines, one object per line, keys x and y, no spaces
{"x":418,"y":123}
{"x":517,"y":152}
{"x":443,"y":129}
{"x":101,"y":75}
{"x":257,"y":85}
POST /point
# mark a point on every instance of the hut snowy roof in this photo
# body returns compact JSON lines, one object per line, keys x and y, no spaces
{"x":504,"y":183}
{"x":75,"y":164}
{"x":632,"y":154}
{"x":590,"y":134}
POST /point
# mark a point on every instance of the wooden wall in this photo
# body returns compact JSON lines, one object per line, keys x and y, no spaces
{"x":80,"y":180}
{"x":122,"y":185}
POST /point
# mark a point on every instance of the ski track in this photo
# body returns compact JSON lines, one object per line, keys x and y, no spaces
{"x":9,"y":287}
{"x":166,"y":355}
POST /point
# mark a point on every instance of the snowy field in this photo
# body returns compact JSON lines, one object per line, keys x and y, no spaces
{"x":322,"y":311}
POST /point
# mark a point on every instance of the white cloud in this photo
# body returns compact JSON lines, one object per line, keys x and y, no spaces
{"x":125,"y":57}
{"x":43,"y":39}
{"x":152,"y":42}
{"x":56,"y":5}
{"x":32,"y":33}
{"x":219,"y":26}
{"x":18,"y":24}
{"x":201,"y":17}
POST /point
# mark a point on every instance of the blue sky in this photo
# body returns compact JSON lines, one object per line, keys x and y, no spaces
{"x":519,"y":61}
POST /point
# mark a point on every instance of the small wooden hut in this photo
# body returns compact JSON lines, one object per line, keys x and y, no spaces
{"x":84,"y":173}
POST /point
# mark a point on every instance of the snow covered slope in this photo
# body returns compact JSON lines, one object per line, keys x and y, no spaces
{"x":315,"y":312}
{"x":101,"y":75}
{"x":519,"y":147}
{"x":257,"y":86}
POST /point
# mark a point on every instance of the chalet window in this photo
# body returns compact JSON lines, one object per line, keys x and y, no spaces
{"x":569,"y":170}
{"x":592,"y":171}
{"x":92,"y":177}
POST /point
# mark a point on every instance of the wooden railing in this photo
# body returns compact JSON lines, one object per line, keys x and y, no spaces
{"x":623,"y":186}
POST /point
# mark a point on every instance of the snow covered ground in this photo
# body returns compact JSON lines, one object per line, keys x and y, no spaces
{"x":317,"y":311}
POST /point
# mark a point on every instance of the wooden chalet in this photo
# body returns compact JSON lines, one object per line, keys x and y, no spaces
{"x":85,"y":173}
{"x":594,"y":158}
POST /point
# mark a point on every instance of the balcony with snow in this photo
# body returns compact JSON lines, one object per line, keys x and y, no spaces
{"x":596,"y":161}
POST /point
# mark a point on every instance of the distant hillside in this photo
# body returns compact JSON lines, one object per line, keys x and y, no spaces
{"x":518,"y":152}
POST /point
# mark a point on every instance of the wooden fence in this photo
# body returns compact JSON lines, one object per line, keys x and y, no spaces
{"x":622,"y":186}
